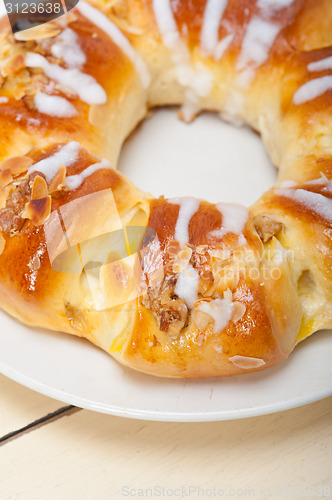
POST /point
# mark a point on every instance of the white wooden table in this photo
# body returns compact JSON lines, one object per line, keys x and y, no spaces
{"x":53,"y":451}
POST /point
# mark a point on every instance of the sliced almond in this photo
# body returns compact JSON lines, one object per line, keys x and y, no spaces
{"x":239,"y":310}
{"x":228,"y":295}
{"x":59,"y":181}
{"x":38,"y":210}
{"x":202,"y":319}
{"x":70,"y":18}
{"x":17,"y":165}
{"x":220,"y":254}
{"x":2,"y":243}
{"x":246,"y":362}
{"x":202,"y":249}
{"x":13,"y":64}
{"x":200,"y":339}
{"x":5,"y":178}
{"x":124,"y":25}
{"x":182,"y":259}
{"x":39,"y":188}
{"x":47,"y":30}
{"x":173,"y":248}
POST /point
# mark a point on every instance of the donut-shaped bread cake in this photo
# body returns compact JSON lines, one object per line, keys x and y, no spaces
{"x":171,"y":287}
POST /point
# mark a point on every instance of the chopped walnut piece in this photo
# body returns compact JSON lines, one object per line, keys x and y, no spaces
{"x":65,"y":90}
{"x":5,"y":178}
{"x":59,"y":180}
{"x":10,"y":223}
{"x":2,"y":243}
{"x":14,"y":64}
{"x":38,"y":210}
{"x":170,"y":311}
{"x":17,"y":164}
{"x":39,"y":188}
{"x":18,"y":92}
{"x":266,"y":227}
{"x":29,"y":102}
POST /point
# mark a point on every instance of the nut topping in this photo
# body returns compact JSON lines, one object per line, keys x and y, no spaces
{"x":17,"y":165}
{"x":239,"y":310}
{"x":202,"y":319}
{"x":5,"y":178}
{"x":14,"y":64}
{"x":2,"y":243}
{"x":39,"y":188}
{"x":182,"y":259}
{"x":38,"y":210}
{"x":48,"y":30}
{"x":59,"y":180}
{"x":266,"y":227}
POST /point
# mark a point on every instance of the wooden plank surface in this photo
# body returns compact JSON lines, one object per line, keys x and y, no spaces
{"x":20,"y":406}
{"x":93,"y":456}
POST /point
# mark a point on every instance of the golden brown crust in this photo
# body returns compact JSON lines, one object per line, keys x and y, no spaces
{"x":219,"y":291}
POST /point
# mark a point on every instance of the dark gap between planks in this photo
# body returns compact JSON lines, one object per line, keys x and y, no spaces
{"x":65,"y":411}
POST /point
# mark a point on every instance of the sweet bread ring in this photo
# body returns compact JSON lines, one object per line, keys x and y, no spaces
{"x":181,"y":287}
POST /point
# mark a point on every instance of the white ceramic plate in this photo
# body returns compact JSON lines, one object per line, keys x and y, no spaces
{"x":207,"y":159}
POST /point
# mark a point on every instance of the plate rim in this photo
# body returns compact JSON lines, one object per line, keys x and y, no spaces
{"x":155,"y":416}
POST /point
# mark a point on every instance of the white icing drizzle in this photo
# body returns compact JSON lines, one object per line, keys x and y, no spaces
{"x":315,"y":202}
{"x":321,"y":65}
{"x":67,"y":48}
{"x":246,"y":362}
{"x":324,"y":182}
{"x":196,"y":80}
{"x":213,"y":14}
{"x":312,"y":89}
{"x":188,"y":207}
{"x":221,"y":310}
{"x":67,"y":155}
{"x":74,"y":181}
{"x":234,"y":219}
{"x":100,"y":20}
{"x":85,"y":86}
{"x":166,"y":23}
{"x":267,"y":5}
{"x":3,"y":99}
{"x":53,"y":105}
{"x":287,"y":184}
{"x":222,"y":46}
{"x":259,"y":38}
{"x":187,"y":285}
